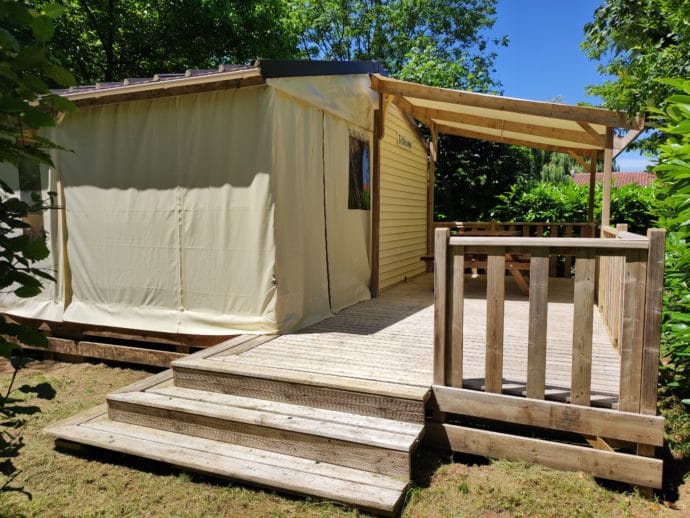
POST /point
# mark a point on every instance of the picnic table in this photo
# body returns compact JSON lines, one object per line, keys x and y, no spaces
{"x":516,"y":265}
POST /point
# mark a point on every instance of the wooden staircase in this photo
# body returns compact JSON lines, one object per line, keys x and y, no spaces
{"x":330,"y":437}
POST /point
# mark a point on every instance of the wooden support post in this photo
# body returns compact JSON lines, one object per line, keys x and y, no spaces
{"x":608,"y":167}
{"x":652,"y":329}
{"x":430,"y":186}
{"x":583,"y":302}
{"x":652,"y":322}
{"x":538,"y":315}
{"x":441,"y":288}
{"x":495,"y":298}
{"x":376,"y":198}
{"x":592,"y":186}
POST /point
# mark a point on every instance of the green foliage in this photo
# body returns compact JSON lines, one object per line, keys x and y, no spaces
{"x":636,"y":42}
{"x":558,"y":167}
{"x":26,"y":103}
{"x":673,"y":173}
{"x":568,"y":202}
{"x":411,"y":39}
{"x":26,"y":106}
{"x":470,"y":174}
{"x":109,"y":40}
{"x":543,"y":201}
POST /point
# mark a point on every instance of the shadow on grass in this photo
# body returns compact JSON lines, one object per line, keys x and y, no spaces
{"x":14,"y":415}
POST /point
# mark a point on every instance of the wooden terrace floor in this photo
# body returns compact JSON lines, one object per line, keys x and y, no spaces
{"x":391,"y":339}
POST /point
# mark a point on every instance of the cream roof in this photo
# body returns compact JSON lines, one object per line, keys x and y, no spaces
{"x":552,"y":126}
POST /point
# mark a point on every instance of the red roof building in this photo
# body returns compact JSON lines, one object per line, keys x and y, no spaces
{"x":641,"y":178}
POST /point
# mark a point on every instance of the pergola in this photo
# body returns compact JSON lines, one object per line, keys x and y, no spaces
{"x":582,"y":132}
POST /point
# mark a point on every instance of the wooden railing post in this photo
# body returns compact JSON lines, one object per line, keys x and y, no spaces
{"x":538,"y":316}
{"x":495,"y":298}
{"x":442,"y":286}
{"x":583,"y":319}
{"x":457,"y":299}
{"x":652,"y":320}
{"x":652,"y":329}
{"x":632,"y":330}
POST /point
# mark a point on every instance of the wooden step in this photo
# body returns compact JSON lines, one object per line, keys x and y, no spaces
{"x":366,"y":397}
{"x":369,"y":491}
{"x":360,"y":442}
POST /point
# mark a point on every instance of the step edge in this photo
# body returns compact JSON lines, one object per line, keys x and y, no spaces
{"x":413,"y":393}
{"x":286,"y":484}
{"x":284,"y":408}
{"x":142,"y":401}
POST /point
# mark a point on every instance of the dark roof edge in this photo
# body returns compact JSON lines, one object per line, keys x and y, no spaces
{"x":288,"y":68}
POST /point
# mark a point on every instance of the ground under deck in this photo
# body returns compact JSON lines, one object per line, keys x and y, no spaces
{"x":391,"y":339}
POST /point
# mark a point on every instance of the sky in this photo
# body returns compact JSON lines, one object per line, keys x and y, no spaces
{"x":543,"y":60}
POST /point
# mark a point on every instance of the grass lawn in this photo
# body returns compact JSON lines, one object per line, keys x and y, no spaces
{"x":57,"y":483}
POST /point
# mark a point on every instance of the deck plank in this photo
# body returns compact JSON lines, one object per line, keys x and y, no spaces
{"x":391,"y":339}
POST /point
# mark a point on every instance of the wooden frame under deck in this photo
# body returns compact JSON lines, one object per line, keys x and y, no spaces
{"x":630,"y":285}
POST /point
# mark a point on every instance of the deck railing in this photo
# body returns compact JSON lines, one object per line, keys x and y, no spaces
{"x":526,"y":229}
{"x":631,"y":276}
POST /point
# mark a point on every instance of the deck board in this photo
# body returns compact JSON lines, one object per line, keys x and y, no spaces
{"x":391,"y":339}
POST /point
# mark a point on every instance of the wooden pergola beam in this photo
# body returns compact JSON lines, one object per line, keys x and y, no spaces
{"x":460,"y":132}
{"x":579,"y":159}
{"x":535,"y":130}
{"x":598,"y":139}
{"x":620,"y":143}
{"x":493,"y":102}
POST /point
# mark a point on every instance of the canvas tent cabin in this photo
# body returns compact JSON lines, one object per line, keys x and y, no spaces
{"x":219,"y":202}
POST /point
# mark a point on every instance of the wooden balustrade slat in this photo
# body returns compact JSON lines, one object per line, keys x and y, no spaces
{"x":457,"y":320}
{"x":583,"y":319}
{"x":652,"y":324}
{"x":553,"y":260}
{"x":632,"y":331}
{"x":495,"y":298}
{"x":568,"y":258}
{"x":440,"y":302}
{"x":538,"y":313}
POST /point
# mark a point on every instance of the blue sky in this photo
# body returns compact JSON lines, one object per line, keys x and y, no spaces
{"x":543,"y":60}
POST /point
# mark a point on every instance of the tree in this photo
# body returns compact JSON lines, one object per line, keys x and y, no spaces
{"x":26,"y":106}
{"x":407,"y":36}
{"x":636,"y":42}
{"x":110,"y":40}
{"x":470,"y":174}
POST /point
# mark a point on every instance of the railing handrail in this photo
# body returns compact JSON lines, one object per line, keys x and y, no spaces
{"x":551,"y":242}
{"x":441,"y":224}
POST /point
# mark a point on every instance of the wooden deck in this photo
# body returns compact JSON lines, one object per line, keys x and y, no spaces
{"x":390,"y":339}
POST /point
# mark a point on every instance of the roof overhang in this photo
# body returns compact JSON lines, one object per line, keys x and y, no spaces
{"x":577,"y":130}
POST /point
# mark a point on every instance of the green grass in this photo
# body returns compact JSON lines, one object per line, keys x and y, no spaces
{"x":107,"y":484}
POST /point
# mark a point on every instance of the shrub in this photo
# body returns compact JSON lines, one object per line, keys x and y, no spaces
{"x":673,"y":209}
{"x":567,"y":201}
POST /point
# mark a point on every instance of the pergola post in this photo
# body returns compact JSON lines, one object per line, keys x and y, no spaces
{"x":592,"y":186}
{"x":379,"y":116}
{"x":608,"y":169}
{"x":431,"y":185}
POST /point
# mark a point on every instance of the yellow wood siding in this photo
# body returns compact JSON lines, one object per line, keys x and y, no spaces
{"x":403,"y":202}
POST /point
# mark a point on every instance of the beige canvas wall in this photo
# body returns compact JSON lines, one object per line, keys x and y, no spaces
{"x":48,"y":305}
{"x":403,"y":201}
{"x":169,"y":214}
{"x":209,"y":213}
